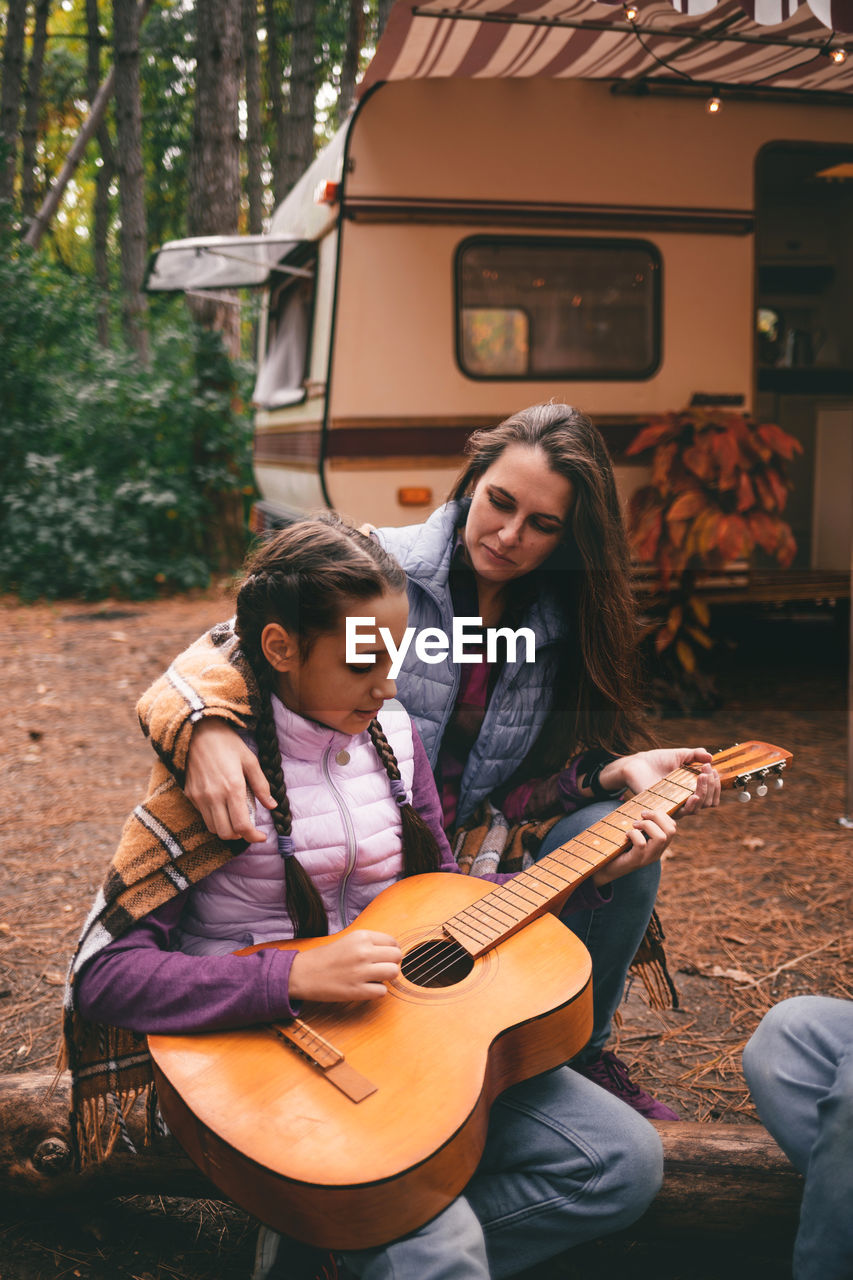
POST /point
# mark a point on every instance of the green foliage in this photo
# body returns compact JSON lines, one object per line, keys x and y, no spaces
{"x":167,"y":74}
{"x":114,"y":474}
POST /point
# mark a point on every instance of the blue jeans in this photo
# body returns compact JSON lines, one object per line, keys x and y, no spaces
{"x":799,"y":1068}
{"x":564,"y":1162}
{"x":611,"y":933}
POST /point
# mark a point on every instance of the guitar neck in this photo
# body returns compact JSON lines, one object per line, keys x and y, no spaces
{"x":548,"y":884}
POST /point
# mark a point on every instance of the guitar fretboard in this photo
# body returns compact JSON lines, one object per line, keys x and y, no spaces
{"x":547,"y":885}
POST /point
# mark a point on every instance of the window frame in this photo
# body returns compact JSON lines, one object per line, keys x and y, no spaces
{"x":307,"y":255}
{"x":575,"y":242}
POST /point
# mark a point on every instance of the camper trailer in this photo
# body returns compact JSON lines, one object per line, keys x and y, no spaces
{"x":474,"y":242}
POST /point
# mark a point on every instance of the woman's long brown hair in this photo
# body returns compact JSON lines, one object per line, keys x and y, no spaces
{"x":597,"y":700}
{"x":301,"y":578}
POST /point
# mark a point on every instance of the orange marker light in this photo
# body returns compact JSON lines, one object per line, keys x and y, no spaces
{"x":414,"y":496}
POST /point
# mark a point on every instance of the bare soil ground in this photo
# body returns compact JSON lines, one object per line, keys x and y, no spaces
{"x":755,"y":903}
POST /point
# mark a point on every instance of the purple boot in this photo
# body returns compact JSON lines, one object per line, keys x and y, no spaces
{"x":611,"y":1074}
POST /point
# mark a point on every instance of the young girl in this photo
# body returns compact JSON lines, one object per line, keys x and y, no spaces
{"x":356,"y":808}
{"x":532,"y":536}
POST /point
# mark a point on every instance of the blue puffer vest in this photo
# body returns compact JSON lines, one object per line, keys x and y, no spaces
{"x":522,"y":696}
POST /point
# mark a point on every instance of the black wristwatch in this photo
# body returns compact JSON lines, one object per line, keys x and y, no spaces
{"x":600,"y":761}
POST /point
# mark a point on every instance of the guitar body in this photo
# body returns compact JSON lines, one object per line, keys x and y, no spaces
{"x":356,"y":1156}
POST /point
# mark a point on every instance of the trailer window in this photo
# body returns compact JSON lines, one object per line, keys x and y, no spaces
{"x":284,"y":368}
{"x":569,"y":308}
{"x":496,"y":338}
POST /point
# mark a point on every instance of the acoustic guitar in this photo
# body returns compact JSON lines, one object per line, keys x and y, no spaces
{"x":356,"y":1123}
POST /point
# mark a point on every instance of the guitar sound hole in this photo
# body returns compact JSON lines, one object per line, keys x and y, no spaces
{"x":437,"y":963}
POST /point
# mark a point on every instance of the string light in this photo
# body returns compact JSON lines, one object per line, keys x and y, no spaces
{"x":714,"y":105}
{"x":838,"y":55}
{"x":632,"y":13}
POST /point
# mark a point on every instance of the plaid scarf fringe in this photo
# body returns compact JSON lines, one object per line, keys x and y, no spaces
{"x":164,"y":849}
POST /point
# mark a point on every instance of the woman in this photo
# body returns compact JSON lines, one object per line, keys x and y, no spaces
{"x":531,"y":537}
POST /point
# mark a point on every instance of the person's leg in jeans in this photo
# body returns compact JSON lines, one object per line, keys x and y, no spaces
{"x":799,"y":1068}
{"x":563,"y":1163}
{"x":611,"y":933}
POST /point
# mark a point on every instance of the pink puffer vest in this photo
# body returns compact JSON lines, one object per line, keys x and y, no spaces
{"x":346,"y":832}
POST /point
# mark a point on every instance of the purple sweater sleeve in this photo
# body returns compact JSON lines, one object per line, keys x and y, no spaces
{"x":141,"y":983}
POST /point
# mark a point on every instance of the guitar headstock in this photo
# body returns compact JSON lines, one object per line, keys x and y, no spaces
{"x":746,"y":761}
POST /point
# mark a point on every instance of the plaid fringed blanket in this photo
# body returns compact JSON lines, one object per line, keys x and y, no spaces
{"x":491,"y":843}
{"x":211,"y":678}
{"x":164,"y":848}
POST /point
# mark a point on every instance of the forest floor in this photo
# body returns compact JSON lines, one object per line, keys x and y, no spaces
{"x":754,"y":902}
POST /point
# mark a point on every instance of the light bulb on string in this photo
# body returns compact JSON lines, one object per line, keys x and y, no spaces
{"x":632,"y":13}
{"x":838,"y":55}
{"x":714,"y":105}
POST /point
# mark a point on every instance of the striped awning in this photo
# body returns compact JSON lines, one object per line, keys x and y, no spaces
{"x":770,"y":44}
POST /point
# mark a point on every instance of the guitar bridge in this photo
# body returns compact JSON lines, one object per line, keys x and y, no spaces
{"x":325,"y":1057}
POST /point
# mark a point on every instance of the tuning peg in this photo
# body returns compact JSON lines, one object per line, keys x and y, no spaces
{"x":761,"y":789}
{"x":740,"y":785}
{"x":778,"y":780}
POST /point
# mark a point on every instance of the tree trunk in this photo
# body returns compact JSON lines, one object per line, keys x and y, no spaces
{"x":89,"y":128}
{"x":349,"y":62}
{"x":254,"y":140}
{"x":299,"y":121}
{"x":10,"y":94}
{"x":275,"y":77}
{"x":383,"y":8}
{"x":134,"y":238}
{"x":29,"y":137}
{"x":726,"y":1179}
{"x":214,"y":203}
{"x":214,"y":209}
{"x":101,"y":211}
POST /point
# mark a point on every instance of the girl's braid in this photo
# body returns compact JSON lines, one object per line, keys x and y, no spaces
{"x":420,"y":850}
{"x":304,"y":904}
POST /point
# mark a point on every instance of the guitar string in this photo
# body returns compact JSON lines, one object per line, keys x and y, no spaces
{"x":336,"y":1016}
{"x":425,"y":977}
{"x":448,"y":953}
{"x":422,"y":974}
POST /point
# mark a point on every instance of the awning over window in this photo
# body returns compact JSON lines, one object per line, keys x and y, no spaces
{"x":780,"y":44}
{"x":219,"y":262}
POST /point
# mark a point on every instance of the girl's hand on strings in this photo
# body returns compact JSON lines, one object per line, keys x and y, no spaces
{"x":219,"y":769}
{"x":642,"y":770}
{"x":650,"y":836}
{"x":353,"y":966}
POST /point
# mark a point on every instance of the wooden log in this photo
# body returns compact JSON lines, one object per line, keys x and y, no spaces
{"x":730,"y":1178}
{"x":726,"y":1178}
{"x":36,"y":1160}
